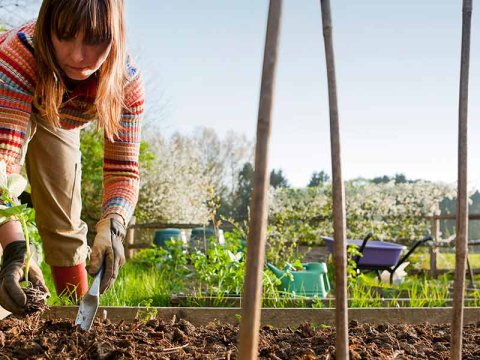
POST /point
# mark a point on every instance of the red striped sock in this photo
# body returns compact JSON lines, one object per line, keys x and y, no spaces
{"x":70,"y":280}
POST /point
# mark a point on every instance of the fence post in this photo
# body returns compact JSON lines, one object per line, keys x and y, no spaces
{"x":434,"y":247}
{"x":130,"y":238}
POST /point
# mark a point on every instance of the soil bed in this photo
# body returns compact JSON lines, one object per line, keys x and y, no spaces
{"x":34,"y":338}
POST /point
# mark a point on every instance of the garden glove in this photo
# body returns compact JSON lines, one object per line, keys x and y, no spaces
{"x":12,"y":296}
{"x":108,"y":249}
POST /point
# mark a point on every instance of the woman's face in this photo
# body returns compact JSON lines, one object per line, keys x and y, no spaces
{"x":78,"y":59}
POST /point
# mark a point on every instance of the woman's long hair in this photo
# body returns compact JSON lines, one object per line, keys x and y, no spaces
{"x":98,"y":20}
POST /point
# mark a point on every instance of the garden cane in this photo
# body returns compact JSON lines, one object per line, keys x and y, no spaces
{"x":89,"y":304}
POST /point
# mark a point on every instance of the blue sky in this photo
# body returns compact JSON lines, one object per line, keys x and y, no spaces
{"x":398,"y":66}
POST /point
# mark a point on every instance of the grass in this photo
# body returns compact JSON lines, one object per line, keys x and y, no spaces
{"x":135,"y":286}
{"x":149,"y":286}
{"x":444,"y":260}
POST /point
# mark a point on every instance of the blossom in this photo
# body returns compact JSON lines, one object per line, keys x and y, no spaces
{"x":11,"y":186}
{"x":390,"y":211}
{"x":14,"y":184}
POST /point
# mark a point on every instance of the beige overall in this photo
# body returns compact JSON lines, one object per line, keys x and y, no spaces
{"x":53,"y":163}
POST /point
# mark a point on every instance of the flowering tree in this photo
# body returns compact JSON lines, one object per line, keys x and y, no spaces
{"x":389,"y":210}
{"x":173,"y":189}
{"x":393,"y":211}
{"x":188,"y":171}
{"x":177,"y":174}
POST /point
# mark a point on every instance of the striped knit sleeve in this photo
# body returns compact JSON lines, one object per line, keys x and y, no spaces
{"x":121,"y":176}
{"x":17,"y":71}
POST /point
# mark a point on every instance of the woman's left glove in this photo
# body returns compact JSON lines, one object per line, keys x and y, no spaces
{"x":108,"y":248}
{"x":12,"y":296}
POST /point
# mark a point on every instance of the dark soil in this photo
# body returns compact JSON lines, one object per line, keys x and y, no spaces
{"x":33,"y":338}
{"x":35,"y":299}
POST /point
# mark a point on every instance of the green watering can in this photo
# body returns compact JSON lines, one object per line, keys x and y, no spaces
{"x":310,"y":281}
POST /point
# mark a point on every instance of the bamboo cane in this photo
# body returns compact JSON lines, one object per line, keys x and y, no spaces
{"x":462,"y":199}
{"x":250,"y":322}
{"x":339,"y":226}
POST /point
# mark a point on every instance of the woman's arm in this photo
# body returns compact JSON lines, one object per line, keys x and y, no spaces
{"x":9,"y":232}
{"x":17,"y":84}
{"x":120,"y":168}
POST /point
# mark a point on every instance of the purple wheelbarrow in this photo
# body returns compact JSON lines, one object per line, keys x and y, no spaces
{"x":378,"y":255}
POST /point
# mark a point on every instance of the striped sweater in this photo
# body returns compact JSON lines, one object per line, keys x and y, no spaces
{"x":18,"y":77}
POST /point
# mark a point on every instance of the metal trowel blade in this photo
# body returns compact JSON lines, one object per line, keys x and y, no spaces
{"x":89,"y":304}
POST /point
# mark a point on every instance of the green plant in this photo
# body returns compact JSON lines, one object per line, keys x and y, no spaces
{"x":221,"y":267}
{"x":209,"y":298}
{"x":270,"y":285}
{"x":353,"y":252}
{"x":363,"y":295}
{"x":281,"y":245}
{"x":424,"y":293}
{"x":238,"y":234}
{"x":147,"y":312}
{"x":475,"y":298}
{"x":352,"y":272}
{"x":136,"y":285}
{"x":170,"y":261}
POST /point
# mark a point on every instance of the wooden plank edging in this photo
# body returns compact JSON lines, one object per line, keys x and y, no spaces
{"x":285,"y":317}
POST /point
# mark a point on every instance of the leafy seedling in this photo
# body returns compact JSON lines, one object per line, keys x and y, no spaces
{"x":11,"y":186}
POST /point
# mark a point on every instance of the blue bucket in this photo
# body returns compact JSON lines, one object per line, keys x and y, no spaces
{"x":163,"y":235}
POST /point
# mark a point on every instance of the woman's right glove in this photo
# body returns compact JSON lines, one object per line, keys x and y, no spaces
{"x":108,"y":249}
{"x":12,"y":296}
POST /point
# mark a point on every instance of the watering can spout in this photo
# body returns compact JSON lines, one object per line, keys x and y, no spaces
{"x":275,"y":270}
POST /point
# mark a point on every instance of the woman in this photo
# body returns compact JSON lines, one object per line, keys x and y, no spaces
{"x":57,"y":74}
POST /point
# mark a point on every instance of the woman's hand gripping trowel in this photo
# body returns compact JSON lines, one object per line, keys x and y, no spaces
{"x":89,"y":304}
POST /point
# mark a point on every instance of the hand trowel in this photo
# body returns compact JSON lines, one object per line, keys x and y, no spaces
{"x":89,"y":304}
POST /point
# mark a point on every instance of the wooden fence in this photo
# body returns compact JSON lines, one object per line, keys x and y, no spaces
{"x":439,"y":243}
{"x":131,"y":246}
